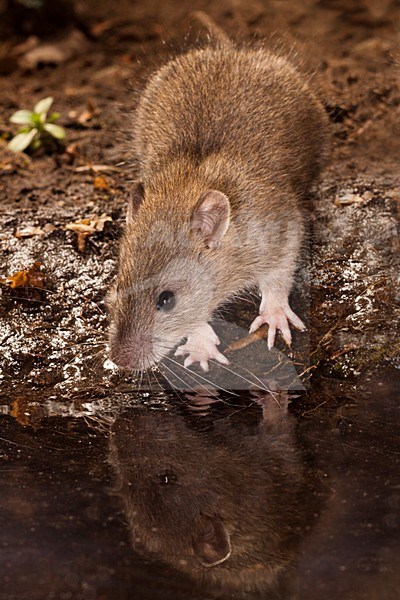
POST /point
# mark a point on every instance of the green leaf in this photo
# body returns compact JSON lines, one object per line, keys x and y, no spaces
{"x":43,"y":105}
{"x":53,"y":117}
{"x":36,"y":143}
{"x":21,"y":141}
{"x":55,"y":130}
{"x":37,"y":120}
{"x":22,"y":117}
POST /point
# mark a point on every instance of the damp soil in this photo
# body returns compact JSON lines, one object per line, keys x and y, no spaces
{"x":60,"y":395}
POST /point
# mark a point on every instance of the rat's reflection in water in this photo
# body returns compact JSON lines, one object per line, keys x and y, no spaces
{"x":219,"y":500}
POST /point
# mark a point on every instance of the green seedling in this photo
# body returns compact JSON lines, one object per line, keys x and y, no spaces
{"x":38,"y":128}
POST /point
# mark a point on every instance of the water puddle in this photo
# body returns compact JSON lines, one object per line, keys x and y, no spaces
{"x":229,"y":498}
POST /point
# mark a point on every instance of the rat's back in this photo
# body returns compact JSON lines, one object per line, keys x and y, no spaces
{"x":249,"y":105}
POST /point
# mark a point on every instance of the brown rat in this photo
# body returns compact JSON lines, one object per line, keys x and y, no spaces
{"x":217,"y":497}
{"x":228,"y":142}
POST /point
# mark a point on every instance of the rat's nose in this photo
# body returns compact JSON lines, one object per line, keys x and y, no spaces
{"x":133,"y":353}
{"x":123,"y":359}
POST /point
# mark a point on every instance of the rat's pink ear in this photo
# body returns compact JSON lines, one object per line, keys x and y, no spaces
{"x":210,"y":217}
{"x":214,"y":546}
{"x":135,"y":200}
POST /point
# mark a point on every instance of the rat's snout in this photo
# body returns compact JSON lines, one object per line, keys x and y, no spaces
{"x":132,"y":351}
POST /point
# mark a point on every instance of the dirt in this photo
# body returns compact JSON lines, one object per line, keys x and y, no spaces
{"x":53,"y":342}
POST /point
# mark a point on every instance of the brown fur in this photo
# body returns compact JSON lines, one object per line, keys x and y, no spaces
{"x":240,"y":121}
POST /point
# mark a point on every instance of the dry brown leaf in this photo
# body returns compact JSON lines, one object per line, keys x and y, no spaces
{"x":95,"y":168}
{"x":100,"y":183}
{"x":27,"y":412}
{"x":71,"y":44}
{"x":89,"y":225}
{"x":49,"y":227}
{"x":347,"y":199}
{"x":19,"y":412}
{"x":30,"y":231}
{"x":81,"y":240}
{"x":85,"y":117}
{"x":101,"y":221}
{"x":98,"y":29}
{"x":33,"y":277}
{"x":82,"y":226}
{"x":86,"y":227}
{"x":71,"y":152}
{"x":91,"y":110}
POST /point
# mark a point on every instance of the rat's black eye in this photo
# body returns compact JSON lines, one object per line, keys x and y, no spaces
{"x":166,"y":300}
{"x":166,"y":478}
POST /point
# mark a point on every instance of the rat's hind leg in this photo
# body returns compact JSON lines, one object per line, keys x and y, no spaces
{"x":201,"y":346}
{"x":275,"y":310}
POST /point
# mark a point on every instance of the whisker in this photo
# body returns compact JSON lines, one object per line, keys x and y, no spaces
{"x":234,"y":373}
{"x":141,"y":372}
{"x":148,"y":380}
{"x":191,"y":375}
{"x":157,"y":370}
{"x":181,"y":396}
{"x":70,"y":345}
{"x":168,"y":380}
{"x":194,"y":375}
{"x":263,"y":385}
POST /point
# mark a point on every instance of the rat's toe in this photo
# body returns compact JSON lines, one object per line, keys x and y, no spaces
{"x":204,"y":365}
{"x":258,"y":321}
{"x":295,"y":320}
{"x":285,"y":330}
{"x":189,"y":360}
{"x":271,"y":336}
{"x":220,"y":358}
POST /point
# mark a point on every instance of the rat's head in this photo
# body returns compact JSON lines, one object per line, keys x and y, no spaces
{"x":164,"y":286}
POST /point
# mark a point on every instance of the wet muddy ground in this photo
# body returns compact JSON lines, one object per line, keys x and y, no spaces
{"x":63,"y":404}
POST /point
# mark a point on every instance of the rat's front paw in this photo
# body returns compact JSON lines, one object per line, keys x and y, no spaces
{"x":201,"y":346}
{"x":278,"y":317}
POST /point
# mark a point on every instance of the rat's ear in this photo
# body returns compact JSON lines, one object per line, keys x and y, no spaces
{"x":214,"y":545}
{"x":135,"y":199}
{"x":210,"y":217}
